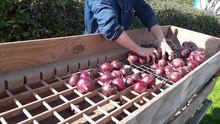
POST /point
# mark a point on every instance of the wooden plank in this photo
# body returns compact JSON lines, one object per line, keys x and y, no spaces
{"x":174,"y":96}
{"x":188,"y":112}
{"x":200,"y":113}
{"x":26,"y":54}
{"x":32,"y":78}
{"x":2,"y":86}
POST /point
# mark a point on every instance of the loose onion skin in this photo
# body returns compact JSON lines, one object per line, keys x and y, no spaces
{"x":85,"y":85}
{"x":73,"y":80}
{"x":140,"y":87}
{"x":109,"y":89}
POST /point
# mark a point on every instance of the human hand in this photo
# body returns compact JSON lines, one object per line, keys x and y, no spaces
{"x":148,"y":53}
{"x":165,"y":48}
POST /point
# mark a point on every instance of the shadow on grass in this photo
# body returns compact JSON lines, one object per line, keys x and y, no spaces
{"x":213,"y":117}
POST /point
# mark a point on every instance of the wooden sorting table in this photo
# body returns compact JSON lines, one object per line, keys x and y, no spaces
{"x":34,"y":76}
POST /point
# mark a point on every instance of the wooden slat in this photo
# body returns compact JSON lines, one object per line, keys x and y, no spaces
{"x":2,"y":86}
{"x":188,"y":112}
{"x":26,"y":54}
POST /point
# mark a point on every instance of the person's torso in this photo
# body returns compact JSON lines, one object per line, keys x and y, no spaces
{"x":123,"y":8}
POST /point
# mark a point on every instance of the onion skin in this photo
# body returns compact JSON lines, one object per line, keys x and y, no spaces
{"x":135,"y":77}
{"x":106,"y":67}
{"x":168,"y":70}
{"x":117,"y":74}
{"x":150,"y":80}
{"x":116,"y":64}
{"x":125,"y":71}
{"x":119,"y":83}
{"x":109,"y":89}
{"x":174,"y":77}
{"x":85,"y":74}
{"x":176,"y":63}
{"x":192,"y":65}
{"x":200,"y":59}
{"x":128,"y":81}
{"x":106,"y":77}
{"x":142,"y":60}
{"x":159,"y":71}
{"x":162,"y":63}
{"x":140,"y":87}
{"x":85,"y":85}
{"x":73,"y":80}
{"x":154,"y":66}
{"x":132,"y":58}
{"x":182,"y":71}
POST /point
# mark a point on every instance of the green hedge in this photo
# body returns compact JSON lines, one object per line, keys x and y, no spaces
{"x":185,"y":16}
{"x":36,"y":19}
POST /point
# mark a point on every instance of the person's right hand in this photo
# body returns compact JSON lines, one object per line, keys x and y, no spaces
{"x":148,"y":53}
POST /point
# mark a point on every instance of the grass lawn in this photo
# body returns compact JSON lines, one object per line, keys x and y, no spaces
{"x":213,"y":114}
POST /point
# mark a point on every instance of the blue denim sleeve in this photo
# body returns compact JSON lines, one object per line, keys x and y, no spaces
{"x":107,"y":18}
{"x":146,"y":14}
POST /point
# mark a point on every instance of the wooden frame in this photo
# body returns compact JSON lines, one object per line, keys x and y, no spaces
{"x":40,"y":69}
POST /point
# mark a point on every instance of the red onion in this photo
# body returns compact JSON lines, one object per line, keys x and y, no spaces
{"x":187,"y":69}
{"x":142,"y":60}
{"x":116,"y":64}
{"x":185,"y":52}
{"x":106,"y":67}
{"x":149,"y":80}
{"x":116,"y":73}
{"x":85,"y":73}
{"x":125,"y":71}
{"x":162,"y":63}
{"x":139,"y":87}
{"x":132,"y":58}
{"x":159,"y":71}
{"x":200,"y":59}
{"x":176,"y":63}
{"x":109,"y":89}
{"x":168,"y":69}
{"x":119,"y":83}
{"x":73,"y":79}
{"x":175,"y":76}
{"x":85,"y":85}
{"x":200,"y":52}
{"x":106,"y":77}
{"x":128,"y":81}
{"x":182,"y":71}
{"x":154,"y":66}
{"x":135,"y":77}
{"x":191,"y":65}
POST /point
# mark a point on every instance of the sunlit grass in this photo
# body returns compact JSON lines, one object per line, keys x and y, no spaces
{"x":213,"y":114}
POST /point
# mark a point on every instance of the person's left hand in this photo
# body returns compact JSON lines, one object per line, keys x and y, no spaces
{"x":165,"y":48}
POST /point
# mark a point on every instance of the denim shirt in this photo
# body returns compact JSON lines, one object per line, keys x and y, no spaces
{"x":112,"y":17}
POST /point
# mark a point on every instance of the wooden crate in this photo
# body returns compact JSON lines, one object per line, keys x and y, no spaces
{"x":35,"y":73}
